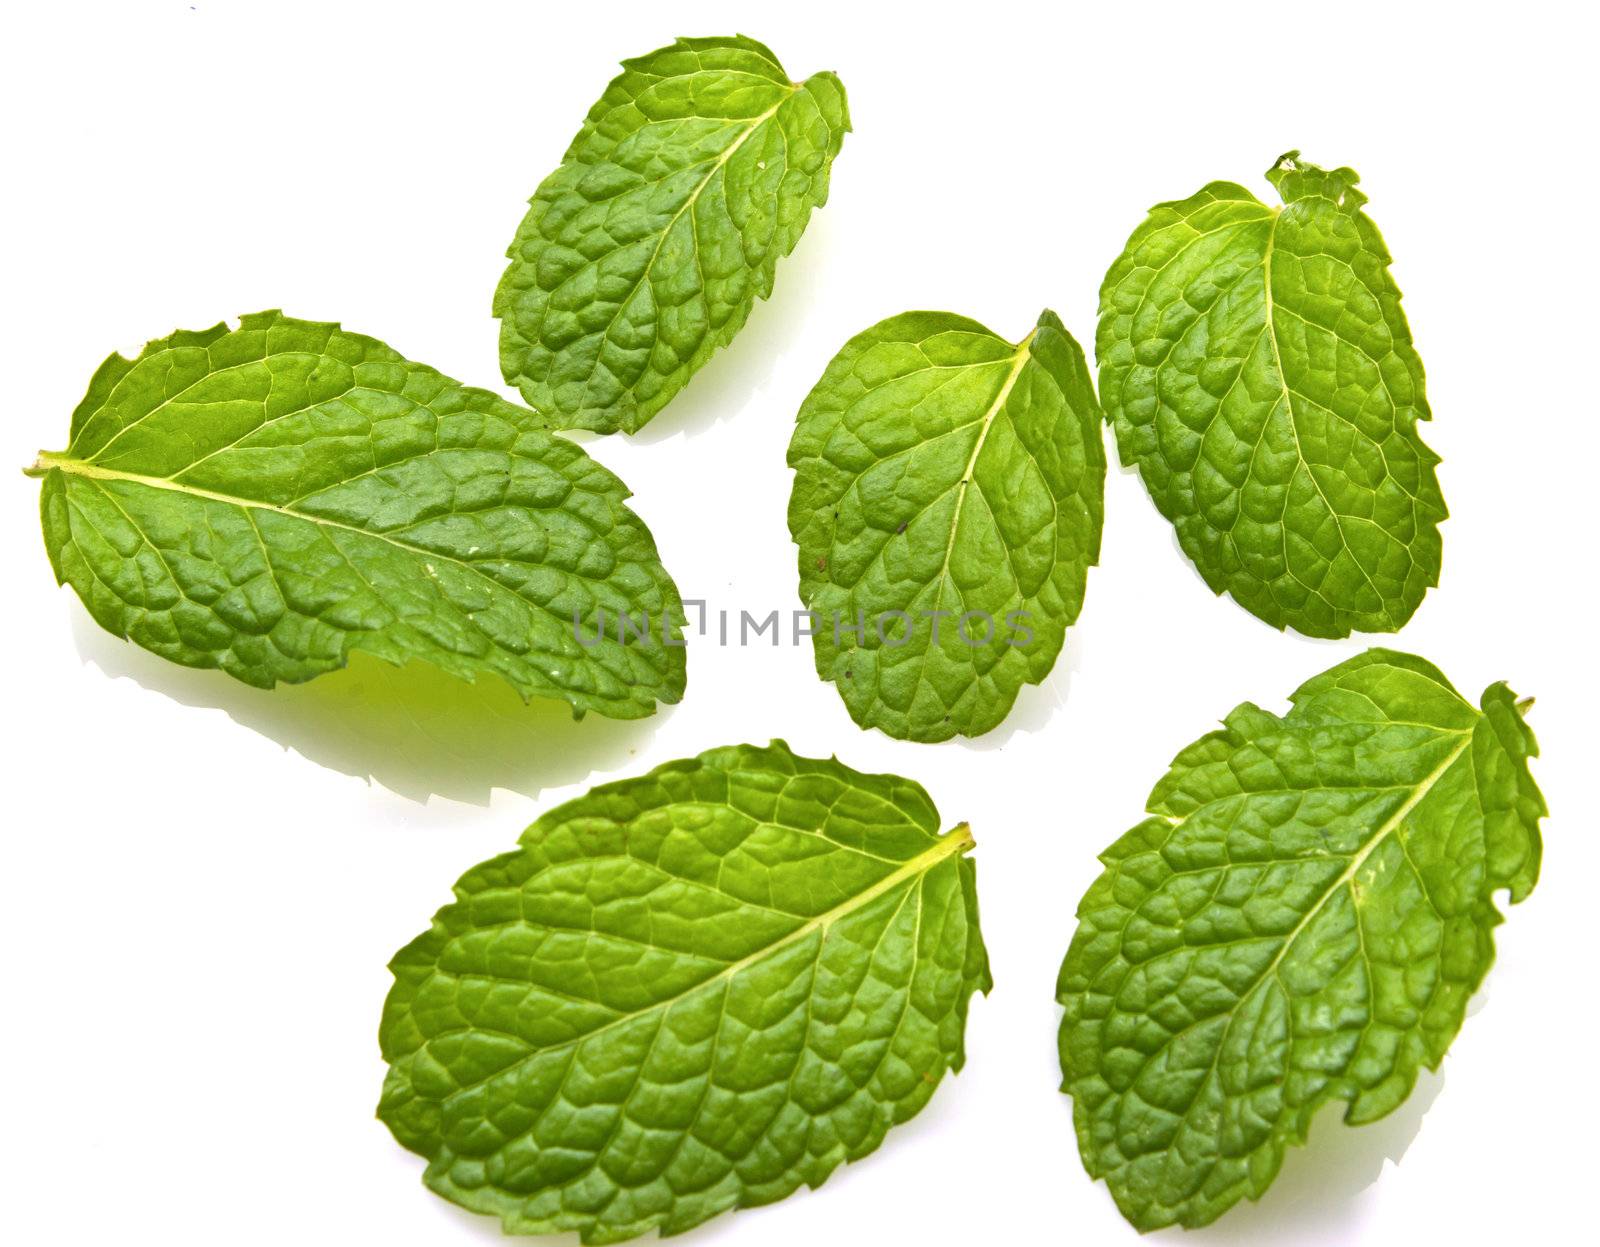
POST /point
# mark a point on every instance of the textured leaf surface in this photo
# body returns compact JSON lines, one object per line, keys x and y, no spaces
{"x":945,"y":473}
{"x":269,"y":498}
{"x":1302,"y":919}
{"x":685,"y":993}
{"x":645,"y":251}
{"x":1259,"y":372}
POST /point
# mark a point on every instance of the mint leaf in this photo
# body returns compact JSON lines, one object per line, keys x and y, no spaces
{"x":947,"y":504}
{"x":688,"y":992}
{"x":1302,"y":919}
{"x":1259,"y":372}
{"x":644,"y":252}
{"x":269,"y":498}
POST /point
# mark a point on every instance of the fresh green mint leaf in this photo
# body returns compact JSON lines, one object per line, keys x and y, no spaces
{"x":269,"y":498}
{"x":684,"y":993}
{"x":947,"y":503}
{"x":1301,"y":919}
{"x":645,"y":251}
{"x":1259,"y":372}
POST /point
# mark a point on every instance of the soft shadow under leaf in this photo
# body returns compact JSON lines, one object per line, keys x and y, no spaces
{"x":1317,"y":1187}
{"x":414,"y":729}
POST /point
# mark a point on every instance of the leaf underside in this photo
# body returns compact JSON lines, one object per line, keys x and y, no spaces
{"x":1301,"y":919}
{"x":956,"y":478}
{"x":1259,"y":372}
{"x":644,"y":252}
{"x":268,"y":499}
{"x":685,"y":993}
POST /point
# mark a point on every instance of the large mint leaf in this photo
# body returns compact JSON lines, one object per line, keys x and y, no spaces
{"x":1301,"y":920}
{"x":1259,"y":372}
{"x":947,"y":505}
{"x":645,"y":251}
{"x":688,"y":992}
{"x":269,"y":498}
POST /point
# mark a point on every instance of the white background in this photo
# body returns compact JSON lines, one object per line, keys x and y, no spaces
{"x":202,"y":882}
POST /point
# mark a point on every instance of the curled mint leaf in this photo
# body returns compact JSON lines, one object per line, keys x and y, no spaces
{"x":1259,"y":372}
{"x":684,"y":993}
{"x":644,"y":252}
{"x":947,"y":503}
{"x":1301,"y":919}
{"x":269,"y":498}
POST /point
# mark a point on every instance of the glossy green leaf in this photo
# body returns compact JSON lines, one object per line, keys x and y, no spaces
{"x":645,"y":251}
{"x":1301,"y":919}
{"x":269,"y":498}
{"x":685,"y":993}
{"x":1259,"y":372}
{"x":947,"y":503}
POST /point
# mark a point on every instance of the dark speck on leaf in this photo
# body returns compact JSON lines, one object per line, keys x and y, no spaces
{"x":822,"y":565}
{"x":902,"y":527}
